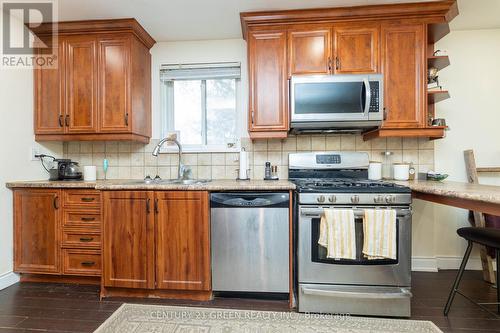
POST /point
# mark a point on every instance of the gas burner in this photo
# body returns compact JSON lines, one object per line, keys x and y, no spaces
{"x":347,"y":185}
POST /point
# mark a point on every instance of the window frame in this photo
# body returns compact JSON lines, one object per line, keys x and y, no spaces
{"x":168,"y":113}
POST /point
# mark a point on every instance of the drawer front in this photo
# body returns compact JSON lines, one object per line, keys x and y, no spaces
{"x":82,"y":198}
{"x":81,"y":239}
{"x":81,"y":262}
{"x":82,"y":218}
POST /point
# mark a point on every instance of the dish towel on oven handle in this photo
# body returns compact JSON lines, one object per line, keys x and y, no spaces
{"x":379,"y":229}
{"x":337,"y":233}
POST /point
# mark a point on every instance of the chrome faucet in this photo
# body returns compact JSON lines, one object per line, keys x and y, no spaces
{"x":182,"y":171}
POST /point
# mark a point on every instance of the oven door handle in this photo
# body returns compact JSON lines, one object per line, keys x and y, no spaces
{"x":317,"y":212}
{"x":351,"y":294}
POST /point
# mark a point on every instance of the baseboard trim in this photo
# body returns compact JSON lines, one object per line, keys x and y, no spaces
{"x":8,"y":279}
{"x":433,"y":264}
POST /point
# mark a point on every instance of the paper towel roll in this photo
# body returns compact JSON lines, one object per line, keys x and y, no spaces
{"x":243,"y":165}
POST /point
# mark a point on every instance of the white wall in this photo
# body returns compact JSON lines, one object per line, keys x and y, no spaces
{"x":473,"y":114}
{"x":209,"y":51}
{"x":16,"y":141}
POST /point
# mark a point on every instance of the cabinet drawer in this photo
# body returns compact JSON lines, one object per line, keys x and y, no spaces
{"x":82,"y":218}
{"x":81,"y":262}
{"x":82,"y":198}
{"x":81,"y":239}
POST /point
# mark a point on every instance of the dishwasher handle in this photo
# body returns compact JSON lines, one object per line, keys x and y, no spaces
{"x":250,"y":200}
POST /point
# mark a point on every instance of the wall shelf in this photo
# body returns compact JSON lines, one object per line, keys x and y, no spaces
{"x":438,"y":62}
{"x":434,"y":96}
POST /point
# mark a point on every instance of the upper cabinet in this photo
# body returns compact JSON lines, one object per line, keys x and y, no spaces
{"x":268,"y":98}
{"x":101,"y":88}
{"x":396,"y":40}
{"x":356,"y":48}
{"x":309,"y":50}
{"x":403,"y":51}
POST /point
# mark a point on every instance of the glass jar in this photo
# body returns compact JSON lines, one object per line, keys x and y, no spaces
{"x":387,"y":161}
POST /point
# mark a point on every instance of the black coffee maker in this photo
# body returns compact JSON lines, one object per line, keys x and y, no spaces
{"x":66,"y":170}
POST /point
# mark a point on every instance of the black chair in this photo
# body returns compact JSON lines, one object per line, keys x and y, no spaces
{"x":485,"y":236}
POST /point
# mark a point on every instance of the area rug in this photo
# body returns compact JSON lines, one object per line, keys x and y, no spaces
{"x":165,"y":319}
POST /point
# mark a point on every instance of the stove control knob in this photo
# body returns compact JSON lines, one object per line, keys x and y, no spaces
{"x":321,"y":199}
{"x":355,"y":199}
{"x":390,"y":199}
{"x":378,"y":199}
{"x":332,"y":198}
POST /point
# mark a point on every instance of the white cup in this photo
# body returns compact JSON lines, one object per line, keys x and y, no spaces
{"x":401,"y":171}
{"x":90,"y":173}
{"x":375,"y":171}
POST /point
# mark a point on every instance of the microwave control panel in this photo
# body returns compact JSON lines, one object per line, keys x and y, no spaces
{"x":374,"y":91}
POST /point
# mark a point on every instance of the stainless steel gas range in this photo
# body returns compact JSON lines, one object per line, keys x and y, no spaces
{"x":377,"y":287}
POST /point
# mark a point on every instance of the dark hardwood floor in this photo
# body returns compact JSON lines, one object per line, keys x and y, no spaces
{"x":39,"y":307}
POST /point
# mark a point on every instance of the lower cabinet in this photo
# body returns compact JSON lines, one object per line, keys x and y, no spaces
{"x":156,"y":240}
{"x":37,"y":219}
{"x":57,"y":232}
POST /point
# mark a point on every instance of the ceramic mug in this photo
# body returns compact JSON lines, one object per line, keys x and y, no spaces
{"x":375,"y":170}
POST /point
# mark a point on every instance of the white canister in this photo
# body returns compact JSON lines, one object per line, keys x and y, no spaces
{"x":401,"y":171}
{"x":90,"y":173}
{"x":375,"y":170}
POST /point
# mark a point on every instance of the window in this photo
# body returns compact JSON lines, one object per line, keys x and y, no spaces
{"x":200,"y":103}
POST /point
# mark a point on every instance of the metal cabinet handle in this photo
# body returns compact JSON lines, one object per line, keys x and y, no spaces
{"x":88,"y":263}
{"x":86,"y":239}
{"x":66,"y":120}
{"x":148,"y":209}
{"x":329,"y":63}
{"x":337,"y":63}
{"x":88,"y":219}
{"x":56,"y":202}
{"x":88,"y":199}
{"x":60,"y":120}
{"x":126,"y":119}
{"x":156,"y":207}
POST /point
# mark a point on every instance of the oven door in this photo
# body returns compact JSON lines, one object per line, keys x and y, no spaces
{"x":314,"y":267}
{"x":330,"y":98}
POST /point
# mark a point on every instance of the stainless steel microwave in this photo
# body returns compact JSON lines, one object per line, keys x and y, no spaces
{"x":330,"y":103}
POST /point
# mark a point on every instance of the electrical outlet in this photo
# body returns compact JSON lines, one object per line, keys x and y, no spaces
{"x":34,"y":151}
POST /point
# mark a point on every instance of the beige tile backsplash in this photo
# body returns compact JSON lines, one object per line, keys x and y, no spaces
{"x":135,"y":161}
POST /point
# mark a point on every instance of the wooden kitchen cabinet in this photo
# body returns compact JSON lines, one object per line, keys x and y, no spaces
{"x":356,"y":48}
{"x":157,"y":240}
{"x":309,"y":50}
{"x":391,"y":39}
{"x":37,"y":219}
{"x":101,"y":88}
{"x":403,"y":54}
{"x":81,"y":84}
{"x":182,"y":240}
{"x":128,"y":231}
{"x":268,"y":99}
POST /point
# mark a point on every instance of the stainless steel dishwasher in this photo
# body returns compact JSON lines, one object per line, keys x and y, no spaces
{"x":250,"y":242}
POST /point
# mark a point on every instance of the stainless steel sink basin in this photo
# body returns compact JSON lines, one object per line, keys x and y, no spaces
{"x":190,"y":181}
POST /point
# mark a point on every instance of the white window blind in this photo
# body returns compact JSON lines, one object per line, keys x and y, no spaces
{"x":200,"y":71}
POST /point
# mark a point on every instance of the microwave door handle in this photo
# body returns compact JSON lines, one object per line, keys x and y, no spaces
{"x":368,"y":97}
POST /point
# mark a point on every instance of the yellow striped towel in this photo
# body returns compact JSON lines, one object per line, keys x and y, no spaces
{"x":337,"y":233}
{"x":379,"y":228}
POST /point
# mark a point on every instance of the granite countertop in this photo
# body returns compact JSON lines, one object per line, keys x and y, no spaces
{"x":128,"y":184}
{"x":459,"y":190}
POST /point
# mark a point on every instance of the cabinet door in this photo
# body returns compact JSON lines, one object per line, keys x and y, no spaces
{"x":114,"y":85}
{"x":81,"y":84}
{"x":49,"y":99}
{"x":128,"y":239}
{"x":37,"y":217}
{"x":403,"y":67}
{"x":309,"y":51}
{"x":182,"y":240}
{"x":356,"y":49}
{"x":268,"y":81}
